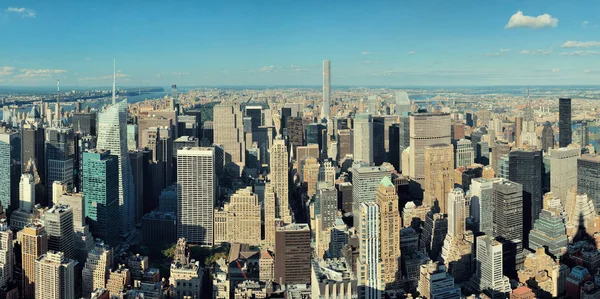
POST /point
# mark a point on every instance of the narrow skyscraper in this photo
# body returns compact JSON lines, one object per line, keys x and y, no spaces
{"x":363,"y":135}
{"x":564,"y":122}
{"x":370,"y":267}
{"x":326,"y":88}
{"x":279,"y":179}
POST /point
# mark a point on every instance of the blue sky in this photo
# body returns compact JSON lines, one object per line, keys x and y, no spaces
{"x":393,"y":43}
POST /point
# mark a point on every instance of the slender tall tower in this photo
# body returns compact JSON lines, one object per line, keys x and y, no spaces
{"x":363,"y":136}
{"x":34,"y":244}
{"x":279,"y":179}
{"x":7,"y":257}
{"x":390,"y":220}
{"x":112,"y":135}
{"x":564,"y":121}
{"x":326,"y":87}
{"x":370,"y":268}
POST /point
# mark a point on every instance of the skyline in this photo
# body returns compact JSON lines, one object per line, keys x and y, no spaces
{"x":284,"y":44}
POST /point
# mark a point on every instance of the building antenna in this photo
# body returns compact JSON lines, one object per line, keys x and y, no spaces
{"x":114,"y":100}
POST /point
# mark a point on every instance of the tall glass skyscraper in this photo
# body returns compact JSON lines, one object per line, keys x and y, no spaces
{"x":60,"y":154}
{"x":100,"y":181}
{"x":564,"y":121}
{"x":10,"y":155}
{"x":112,"y":136}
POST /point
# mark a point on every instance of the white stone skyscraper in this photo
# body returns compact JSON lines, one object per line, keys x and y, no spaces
{"x":196,"y":194}
{"x":369,"y":264}
{"x":27,"y":193}
{"x":112,"y":135}
{"x":6,"y":254}
{"x":363,"y":138}
{"x":54,"y":276}
{"x":488,"y":277}
{"x":326,"y":88}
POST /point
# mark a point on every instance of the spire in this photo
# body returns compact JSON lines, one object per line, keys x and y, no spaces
{"x":114,"y":100}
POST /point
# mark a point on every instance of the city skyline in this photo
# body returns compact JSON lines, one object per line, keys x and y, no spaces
{"x":374,"y":44}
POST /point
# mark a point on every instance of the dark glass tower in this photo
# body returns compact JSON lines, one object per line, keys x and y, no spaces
{"x":547,"y":137}
{"x":564,"y":121}
{"x":525,"y":167}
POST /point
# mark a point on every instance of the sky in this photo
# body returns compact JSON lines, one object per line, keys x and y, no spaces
{"x":281,"y":42}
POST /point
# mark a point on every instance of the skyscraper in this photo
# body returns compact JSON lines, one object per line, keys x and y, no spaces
{"x":60,"y":157}
{"x":564,"y":122}
{"x":390,"y":223}
{"x":563,"y":171}
{"x":229,"y":133}
{"x":97,"y":268}
{"x":112,"y":136}
{"x":35,"y":243}
{"x":59,"y":226}
{"x":426,"y":129}
{"x":196,"y":194}
{"x":327,"y":201}
{"x":435,"y":282}
{"x":10,"y":157}
{"x":363,"y":136}
{"x":7,"y":257}
{"x":488,"y":277}
{"x":365,"y":181}
{"x":482,"y":203}
{"x":326,"y":88}
{"x":269,"y":214}
{"x":100,"y":189}
{"x":402,"y":104}
{"x":549,"y":233}
{"x":509,"y":218}
{"x":292,"y":254}
{"x":464,"y":153}
{"x":547,"y":137}
{"x":370,"y":268}
{"x":54,"y":276}
{"x":439,"y":175}
{"x":525,"y":168}
{"x":345,"y":144}
{"x":584,"y":134}
{"x":244,"y":219}
{"x":458,"y":245}
{"x":588,"y":177}
{"x":279,"y":179}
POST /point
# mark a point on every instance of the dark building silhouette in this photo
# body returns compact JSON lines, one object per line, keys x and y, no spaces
{"x":564,"y":121}
{"x":588,"y":177}
{"x":525,"y":167}
{"x":378,"y":139}
{"x":292,"y":254}
{"x":84,"y":123}
{"x":547,"y":137}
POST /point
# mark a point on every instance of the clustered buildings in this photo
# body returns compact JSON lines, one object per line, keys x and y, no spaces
{"x":298,"y":195}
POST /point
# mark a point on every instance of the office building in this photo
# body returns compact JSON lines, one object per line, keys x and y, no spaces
{"x":112,"y":136}
{"x":363,"y":138}
{"x":326,"y":88}
{"x":488,"y":277}
{"x":402,"y":107}
{"x":279,"y":179}
{"x":458,"y":244}
{"x":370,"y":268}
{"x":525,"y":168}
{"x":10,"y":157}
{"x":229,"y":133}
{"x":100,"y":190}
{"x":345,"y":144}
{"x":328,"y":205}
{"x":365,"y":181}
{"x":34,"y":245}
{"x":588,"y":177}
{"x":159,"y":228}
{"x":58,"y":221}
{"x":196,"y":194}
{"x":292,"y":254}
{"x":439,"y":175}
{"x":310,"y":175}
{"x":270,"y":212}
{"x":564,"y":122}
{"x":464,"y":154}
{"x":295,"y":132}
{"x":584,"y":134}
{"x":186,"y":279}
{"x":508,"y":210}
{"x":132,"y":136}
{"x":333,"y":278}
{"x":118,"y":280}
{"x":482,"y":203}
{"x":435,"y":229}
{"x":549,"y":233}
{"x":390,"y":224}
{"x":84,"y":123}
{"x":97,"y":268}
{"x":563,"y":170}
{"x":27,"y":193}
{"x":547,"y":137}
{"x":244,"y":220}
{"x":33,"y":149}
{"x":426,"y":129}
{"x":580,"y":214}
{"x":54,"y":276}
{"x":378,"y":138}
{"x":435,"y":282}
{"x":7,"y":258}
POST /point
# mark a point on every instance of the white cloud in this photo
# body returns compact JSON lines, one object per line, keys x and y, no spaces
{"x":87,"y":59}
{"x":504,"y":50}
{"x":6,"y":70}
{"x":519,"y":20}
{"x":584,"y":24}
{"x":268,"y":68}
{"x":580,"y":53}
{"x":556,"y":70}
{"x":576,"y":44}
{"x":24,"y":12}
{"x":412,"y":53}
{"x":40,"y":74}
{"x":588,"y":71}
{"x":365,"y":53}
{"x":536,"y":52}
